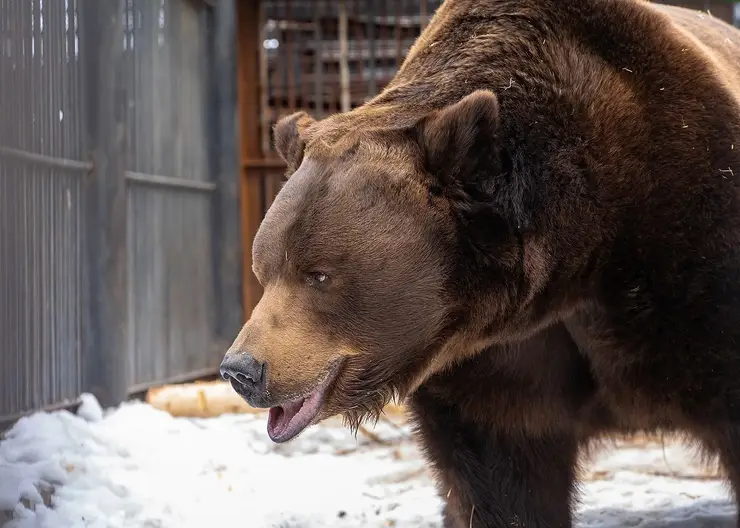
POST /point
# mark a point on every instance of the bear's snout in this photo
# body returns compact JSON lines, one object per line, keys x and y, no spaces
{"x":247,"y":376}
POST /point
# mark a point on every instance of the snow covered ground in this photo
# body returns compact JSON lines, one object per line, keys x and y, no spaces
{"x":138,"y":467}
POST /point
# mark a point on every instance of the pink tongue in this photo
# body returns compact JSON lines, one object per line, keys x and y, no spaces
{"x":286,"y":421}
{"x":279,"y":420}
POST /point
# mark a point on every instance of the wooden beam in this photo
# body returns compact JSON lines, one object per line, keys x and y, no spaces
{"x":252,"y":199}
{"x":343,"y":57}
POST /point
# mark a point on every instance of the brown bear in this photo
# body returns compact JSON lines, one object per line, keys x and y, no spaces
{"x":532,"y":235}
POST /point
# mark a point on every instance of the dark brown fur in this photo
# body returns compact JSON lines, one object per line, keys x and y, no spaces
{"x":533,"y":234}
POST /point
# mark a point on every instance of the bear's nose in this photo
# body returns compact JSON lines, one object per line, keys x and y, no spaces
{"x":243,"y":371}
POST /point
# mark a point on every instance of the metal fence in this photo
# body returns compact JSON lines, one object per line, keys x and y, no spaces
{"x":117,"y":170}
{"x":330,"y":56}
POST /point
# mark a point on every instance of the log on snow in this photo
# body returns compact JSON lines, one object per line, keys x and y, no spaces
{"x":199,"y":400}
{"x":205,"y":399}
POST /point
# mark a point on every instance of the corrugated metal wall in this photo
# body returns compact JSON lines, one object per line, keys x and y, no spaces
{"x":170,"y":190}
{"x":42,"y":205}
{"x":115,"y":144}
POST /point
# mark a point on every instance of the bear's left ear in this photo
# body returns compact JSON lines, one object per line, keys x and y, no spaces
{"x":289,"y":143}
{"x":458,"y":141}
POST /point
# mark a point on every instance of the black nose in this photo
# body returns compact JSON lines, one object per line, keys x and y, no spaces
{"x":243,"y":369}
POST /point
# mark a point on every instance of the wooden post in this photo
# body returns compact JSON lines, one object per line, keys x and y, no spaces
{"x":252,"y":200}
{"x":318,"y":60}
{"x":266,"y":113}
{"x":106,"y":326}
{"x":372,"y":41}
{"x":346,"y":101}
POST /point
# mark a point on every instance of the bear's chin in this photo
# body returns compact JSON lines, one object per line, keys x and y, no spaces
{"x":286,"y":421}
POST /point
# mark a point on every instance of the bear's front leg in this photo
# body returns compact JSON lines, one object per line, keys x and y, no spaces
{"x":494,"y":478}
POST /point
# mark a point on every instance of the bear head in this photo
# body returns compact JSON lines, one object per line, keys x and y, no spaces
{"x":392,"y":251}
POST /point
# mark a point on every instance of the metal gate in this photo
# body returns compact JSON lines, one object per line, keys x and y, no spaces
{"x":116,"y":174}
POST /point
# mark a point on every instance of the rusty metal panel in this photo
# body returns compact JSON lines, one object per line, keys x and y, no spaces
{"x":170,"y":193}
{"x":327,"y":56}
{"x":42,"y":207}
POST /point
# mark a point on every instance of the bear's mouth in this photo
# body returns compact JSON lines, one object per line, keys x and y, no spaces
{"x":286,"y":421}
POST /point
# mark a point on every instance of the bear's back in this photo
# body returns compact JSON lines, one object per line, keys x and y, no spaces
{"x":714,"y":39}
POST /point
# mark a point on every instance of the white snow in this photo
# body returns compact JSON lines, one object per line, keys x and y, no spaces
{"x":138,"y":467}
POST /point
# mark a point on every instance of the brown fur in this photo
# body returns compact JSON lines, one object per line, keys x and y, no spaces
{"x":533,"y":234}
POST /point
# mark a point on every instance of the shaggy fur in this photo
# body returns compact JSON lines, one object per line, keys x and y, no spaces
{"x":532,"y":234}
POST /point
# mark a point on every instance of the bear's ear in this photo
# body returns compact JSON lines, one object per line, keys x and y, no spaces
{"x":462,"y":151}
{"x":289,"y":143}
{"x":458,"y":141}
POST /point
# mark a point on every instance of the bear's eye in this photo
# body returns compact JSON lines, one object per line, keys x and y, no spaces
{"x":317,"y":278}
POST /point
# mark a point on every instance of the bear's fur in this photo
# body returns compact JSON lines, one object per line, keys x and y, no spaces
{"x":532,"y":234}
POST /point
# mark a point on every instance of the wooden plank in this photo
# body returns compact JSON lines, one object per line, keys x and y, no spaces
{"x":265,"y":163}
{"x":343,"y":55}
{"x":252,"y":200}
{"x":266,"y":112}
{"x":318,"y":66}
